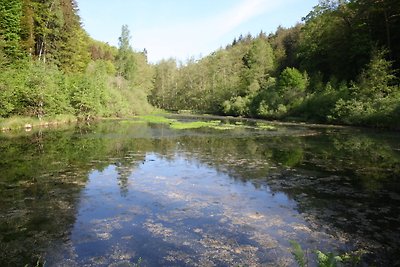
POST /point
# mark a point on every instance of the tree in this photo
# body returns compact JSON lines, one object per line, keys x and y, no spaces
{"x":259,"y":65}
{"x":380,"y":21}
{"x":291,"y":85}
{"x":285,"y":43}
{"x":72,"y":44}
{"x":10,"y":28}
{"x":165,"y":84}
{"x":125,"y":60}
{"x":376,"y":79}
{"x":28,"y":27}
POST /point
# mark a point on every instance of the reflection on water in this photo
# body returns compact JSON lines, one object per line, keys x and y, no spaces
{"x":118,"y":191}
{"x":182,"y":212}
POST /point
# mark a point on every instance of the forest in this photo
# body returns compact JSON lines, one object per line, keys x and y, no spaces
{"x":338,"y":66}
{"x":50,"y":66}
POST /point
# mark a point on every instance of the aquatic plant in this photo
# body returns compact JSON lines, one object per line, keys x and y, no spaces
{"x":298,"y":254}
{"x":193,"y":125}
{"x":138,"y":263}
{"x":265,"y":126}
{"x":156,"y":119}
{"x":328,"y":259}
{"x":213,"y":124}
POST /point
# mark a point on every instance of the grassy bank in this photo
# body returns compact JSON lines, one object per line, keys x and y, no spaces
{"x":27,"y":123}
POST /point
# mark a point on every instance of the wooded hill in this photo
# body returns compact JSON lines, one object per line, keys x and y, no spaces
{"x":338,"y":66}
{"x":50,"y":66}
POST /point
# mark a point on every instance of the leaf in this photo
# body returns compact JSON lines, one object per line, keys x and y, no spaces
{"x":298,"y":254}
{"x":327,"y":260}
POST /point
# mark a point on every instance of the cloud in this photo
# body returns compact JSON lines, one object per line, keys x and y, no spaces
{"x":243,"y":12}
{"x":190,"y":38}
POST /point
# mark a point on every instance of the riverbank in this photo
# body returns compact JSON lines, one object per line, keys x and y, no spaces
{"x":28,"y":123}
{"x":290,"y":121}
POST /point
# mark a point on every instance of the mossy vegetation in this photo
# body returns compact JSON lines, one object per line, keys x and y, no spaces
{"x":177,"y":124}
{"x":155,"y":119}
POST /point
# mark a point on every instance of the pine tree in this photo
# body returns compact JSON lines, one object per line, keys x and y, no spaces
{"x":10,"y":27}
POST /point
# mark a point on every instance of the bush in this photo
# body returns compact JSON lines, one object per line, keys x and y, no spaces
{"x":291,"y":85}
{"x":32,"y":89}
{"x":237,"y":106}
{"x":319,"y":106}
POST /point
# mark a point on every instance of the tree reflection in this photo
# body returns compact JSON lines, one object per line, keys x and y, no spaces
{"x":345,"y":180}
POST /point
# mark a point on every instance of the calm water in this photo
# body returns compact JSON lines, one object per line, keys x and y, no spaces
{"x":117,"y":191}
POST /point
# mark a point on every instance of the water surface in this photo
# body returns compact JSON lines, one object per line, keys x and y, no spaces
{"x":119,"y":191}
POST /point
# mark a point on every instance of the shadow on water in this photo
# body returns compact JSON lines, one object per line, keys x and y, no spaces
{"x":117,"y":191}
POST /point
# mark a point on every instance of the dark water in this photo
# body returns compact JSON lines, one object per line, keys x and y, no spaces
{"x":119,"y":191}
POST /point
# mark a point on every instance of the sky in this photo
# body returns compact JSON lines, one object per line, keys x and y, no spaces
{"x":182,"y":29}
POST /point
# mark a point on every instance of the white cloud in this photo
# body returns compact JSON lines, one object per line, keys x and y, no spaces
{"x":194,"y":37}
{"x":242,"y":13}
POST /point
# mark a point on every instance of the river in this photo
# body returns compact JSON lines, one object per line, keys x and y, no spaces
{"x":129,"y":192}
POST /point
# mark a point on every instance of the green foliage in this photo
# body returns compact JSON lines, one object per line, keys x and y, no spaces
{"x":18,"y":122}
{"x":125,"y":59}
{"x":292,"y":79}
{"x":10,"y":16}
{"x":156,"y":119}
{"x":143,"y":76}
{"x":376,"y":79}
{"x":59,"y":76}
{"x":8,"y":98}
{"x":87,"y":95}
{"x":333,"y":41}
{"x":326,"y":70}
{"x":323,"y":259}
{"x":340,"y":43}
{"x":319,"y":106}
{"x":372,"y":101}
{"x":259,"y":65}
{"x":291,"y":85}
{"x":42,"y":95}
{"x":299,"y":254}
{"x":328,"y":260}
{"x":285,"y":43}
{"x":32,"y":89}
{"x":213,"y":124}
{"x":237,"y":106}
{"x":163,"y":90}
{"x":193,"y":125}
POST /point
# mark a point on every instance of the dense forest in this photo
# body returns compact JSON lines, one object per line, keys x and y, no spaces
{"x":50,"y":66}
{"x":338,"y":66}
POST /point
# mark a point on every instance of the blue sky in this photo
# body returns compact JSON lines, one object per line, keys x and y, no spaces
{"x":187,"y":28}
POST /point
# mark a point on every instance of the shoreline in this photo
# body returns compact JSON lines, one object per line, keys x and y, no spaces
{"x":29,"y":123}
{"x":285,"y":122}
